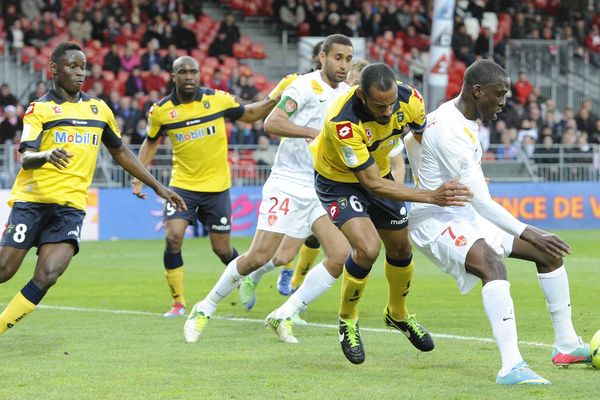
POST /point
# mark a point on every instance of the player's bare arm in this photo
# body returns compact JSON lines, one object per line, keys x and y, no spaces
{"x":146,"y":154}
{"x":260,"y":109}
{"x":33,"y":159}
{"x":448,"y":194}
{"x":279,"y":124}
{"x":126,"y":159}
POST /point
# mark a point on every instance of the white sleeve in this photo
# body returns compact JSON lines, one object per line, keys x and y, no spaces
{"x":486,"y":207}
{"x":397,"y":149}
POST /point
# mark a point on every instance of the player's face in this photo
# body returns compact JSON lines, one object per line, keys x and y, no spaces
{"x":187,"y":78}
{"x":491,"y":99}
{"x":380,"y":104}
{"x":69,"y":71}
{"x":337,"y":63}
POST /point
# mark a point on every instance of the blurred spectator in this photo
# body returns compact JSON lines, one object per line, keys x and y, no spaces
{"x":36,"y":36}
{"x":169,"y":58}
{"x":414,"y":39}
{"x":462,"y":45}
{"x":139,"y":133}
{"x":291,"y":15}
{"x":584,"y":122}
{"x":168,"y":37}
{"x":352,"y":25}
{"x":508,"y":150}
{"x":185,"y":38}
{"x":112,"y":31}
{"x":11,"y":15}
{"x":584,"y":150}
{"x":40,"y":89}
{"x":98,"y":91}
{"x":112,"y":59}
{"x":518,"y":28}
{"x":16,"y":37}
{"x":6,"y":97}
{"x":355,"y":69}
{"x":218,"y":82}
{"x":153,"y":97}
{"x":129,"y":60}
{"x":134,"y":84}
{"x":52,"y":6}
{"x":248,"y":91}
{"x":522,"y":87}
{"x":388,"y":18}
{"x":595,"y":136}
{"x":151,"y":56}
{"x":592,"y":42}
{"x":265,"y":152}
{"x":98,"y":25}
{"x":48,"y":24}
{"x":547,"y":154}
{"x":80,"y":28}
{"x":230,"y":29}
{"x":154,"y":80}
{"x":32,"y":9}
{"x":11,"y":126}
{"x":116,"y":8}
{"x":404,"y":16}
{"x":193,"y":7}
{"x":484,"y":136}
{"x":318,"y":24}
{"x":417,"y":63}
{"x":155,"y":30}
{"x":220,"y":47}
{"x":129,"y":114}
{"x":242,"y":133}
{"x":373,"y":27}
{"x":335,"y":25}
{"x":484,"y":44}
{"x":97,"y":75}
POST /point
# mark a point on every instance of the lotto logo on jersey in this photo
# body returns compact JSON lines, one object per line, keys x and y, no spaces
{"x":417,"y":95}
{"x":344,"y":131}
{"x":76,"y":138}
{"x":333,"y":210}
{"x":30,"y":109}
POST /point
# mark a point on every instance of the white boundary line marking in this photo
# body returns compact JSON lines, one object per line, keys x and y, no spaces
{"x":311,"y":324}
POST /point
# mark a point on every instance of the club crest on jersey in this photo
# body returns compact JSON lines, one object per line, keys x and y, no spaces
{"x":56,"y":109}
{"x":343,"y":202}
{"x":290,"y":106}
{"x":207,"y":105}
{"x":272,"y":218}
{"x":173,"y":114}
{"x":94,"y":108}
{"x":333,"y":210}
{"x":344,"y":131}
{"x":369,"y":133}
{"x":400,"y":116}
{"x":30,"y":109}
{"x":460,"y":241}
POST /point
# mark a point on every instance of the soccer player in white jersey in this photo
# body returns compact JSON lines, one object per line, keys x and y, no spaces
{"x":290,"y":206}
{"x":469,"y":242}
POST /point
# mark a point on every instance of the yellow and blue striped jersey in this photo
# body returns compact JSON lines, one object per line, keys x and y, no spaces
{"x":351,"y":140}
{"x":197,"y":132}
{"x":51,"y":122}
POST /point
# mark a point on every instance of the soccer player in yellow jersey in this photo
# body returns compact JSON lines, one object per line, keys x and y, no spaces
{"x":61,"y":137}
{"x":193,"y":117}
{"x":354,"y":183}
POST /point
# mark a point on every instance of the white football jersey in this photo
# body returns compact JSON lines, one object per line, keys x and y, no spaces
{"x":449,"y":149}
{"x":312,"y":96}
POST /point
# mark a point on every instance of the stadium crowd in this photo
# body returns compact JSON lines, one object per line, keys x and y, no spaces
{"x":131,"y":46}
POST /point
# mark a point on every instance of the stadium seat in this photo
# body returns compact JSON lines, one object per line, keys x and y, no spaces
{"x":258,"y":51}
{"x":490,"y":21}
{"x":304,"y":29}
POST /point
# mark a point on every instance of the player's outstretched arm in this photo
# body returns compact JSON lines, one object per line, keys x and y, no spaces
{"x":278,"y":123}
{"x":260,"y":109}
{"x":126,"y":159}
{"x":449,"y":194}
{"x":146,"y":154}
{"x":32,"y":159}
{"x":546,"y":242}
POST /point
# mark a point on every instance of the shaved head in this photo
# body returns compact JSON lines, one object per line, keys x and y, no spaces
{"x":185,"y":60}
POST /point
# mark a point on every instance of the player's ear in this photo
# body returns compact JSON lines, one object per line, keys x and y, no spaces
{"x":360,"y":94}
{"x":53,"y":68}
{"x":477,"y":91}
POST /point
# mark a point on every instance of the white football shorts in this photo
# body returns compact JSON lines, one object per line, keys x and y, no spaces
{"x":288,"y":208}
{"x":446,"y":240}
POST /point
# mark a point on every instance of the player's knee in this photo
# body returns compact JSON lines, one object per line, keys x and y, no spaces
{"x":400,"y":252}
{"x":367,"y":252}
{"x":45,"y":280}
{"x":174,"y":243}
{"x":256,"y":260}
{"x":548,"y":263}
{"x":282,"y":259}
{"x":312,"y":242}
{"x":496,"y":270}
{"x":223,"y":252}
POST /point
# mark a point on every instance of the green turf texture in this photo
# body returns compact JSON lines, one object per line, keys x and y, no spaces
{"x":74,"y":354}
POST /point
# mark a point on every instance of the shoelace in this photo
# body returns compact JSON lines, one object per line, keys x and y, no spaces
{"x":416,"y":328}
{"x":352,"y":333}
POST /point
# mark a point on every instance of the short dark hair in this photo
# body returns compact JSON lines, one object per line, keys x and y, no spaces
{"x":60,"y":50}
{"x":332,"y":40}
{"x":483,"y":72}
{"x":379,"y":75}
{"x":317,"y":48}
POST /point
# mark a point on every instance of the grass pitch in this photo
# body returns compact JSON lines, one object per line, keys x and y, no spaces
{"x":99,"y":334}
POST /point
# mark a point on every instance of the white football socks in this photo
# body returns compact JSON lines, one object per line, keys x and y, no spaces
{"x":500,"y":311}
{"x":227,"y":282}
{"x":258,"y":274}
{"x":317,"y":281}
{"x":555,"y":286}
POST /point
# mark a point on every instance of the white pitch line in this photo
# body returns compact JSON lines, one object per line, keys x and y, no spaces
{"x":311,"y":324}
